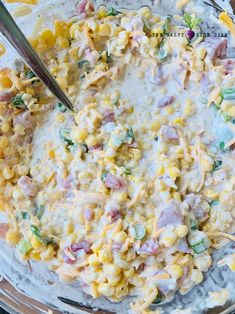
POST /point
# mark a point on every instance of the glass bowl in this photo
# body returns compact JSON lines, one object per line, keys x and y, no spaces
{"x":20,"y":292}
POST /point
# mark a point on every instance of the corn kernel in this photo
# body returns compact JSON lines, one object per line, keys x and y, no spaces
{"x":175,"y":271}
{"x":197,"y":276}
{"x":106,"y":289}
{"x":93,"y":260}
{"x":231,"y":111}
{"x":105,"y":256}
{"x":102,"y":12}
{"x":120,"y":236}
{"x":61,"y":28}
{"x":178,"y":121}
{"x":94,"y":290}
{"x":51,"y":153}
{"x":170,"y":110}
{"x":153,"y":41}
{"x":211,"y":194}
{"x":48,"y":37}
{"x":123,"y":38}
{"x":35,"y":256}
{"x":181,"y":231}
{"x":12,"y":237}
{"x":2,"y":50}
{"x":226,"y":105}
{"x":69,"y":228}
{"x":35,"y":243}
{"x":62,"y":42}
{"x":137,"y":281}
{"x":104,"y":30}
{"x":7,"y":173}
{"x":174,"y":172}
{"x":112,"y":269}
{"x":60,"y":118}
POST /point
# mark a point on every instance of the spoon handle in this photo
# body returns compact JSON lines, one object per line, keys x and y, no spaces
{"x":18,"y":41}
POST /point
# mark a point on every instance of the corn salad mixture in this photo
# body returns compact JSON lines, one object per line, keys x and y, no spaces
{"x":131,"y":193}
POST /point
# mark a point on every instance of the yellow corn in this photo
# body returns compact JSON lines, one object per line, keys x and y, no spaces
{"x":106,"y":289}
{"x":93,"y":260}
{"x":104,"y":30}
{"x":35,"y":243}
{"x":175,"y":271}
{"x":102,"y":12}
{"x":62,"y":42}
{"x":12,"y":237}
{"x":105,"y":256}
{"x":181,"y":231}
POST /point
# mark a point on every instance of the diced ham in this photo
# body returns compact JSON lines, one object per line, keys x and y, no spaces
{"x":83,"y":245}
{"x":115,"y":214}
{"x":23,"y":118}
{"x":206,"y":85}
{"x":171,"y":215}
{"x":3,"y":230}
{"x":96,"y":147}
{"x":6,"y":96}
{"x":84,"y":6}
{"x":169,"y":134}
{"x":114,"y":183}
{"x":150,"y":247}
{"x":165,"y":101}
{"x":216,"y":47}
{"x":28,"y":186}
{"x":108,"y":117}
{"x":89,"y":215}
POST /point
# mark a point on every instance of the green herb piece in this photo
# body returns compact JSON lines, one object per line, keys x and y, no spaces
{"x":61,"y":107}
{"x":140,"y":231}
{"x":36,"y":232}
{"x":222,"y":145}
{"x":64,"y":136}
{"x":162,"y":54}
{"x":217,"y":164}
{"x":127,"y":171}
{"x":147,"y":28}
{"x":159,"y":299}
{"x":108,"y":57}
{"x":228,"y":93}
{"x":30,"y":74}
{"x":113,"y":12}
{"x":25,"y":215}
{"x":203,"y":100}
{"x":167,"y":25}
{"x":85,"y":148}
{"x":199,"y":247}
{"x":216,"y":107}
{"x":24,"y":246}
{"x":104,"y":175}
{"x":40,"y":211}
{"x":81,"y":63}
{"x":226,"y":117}
{"x":156,"y":138}
{"x":191,"y":21}
{"x":214,"y":203}
{"x":117,"y":101}
{"x":194,"y":224}
{"x":82,"y":76}
{"x":233,"y":121}
{"x":130,"y":136}
{"x":18,"y":102}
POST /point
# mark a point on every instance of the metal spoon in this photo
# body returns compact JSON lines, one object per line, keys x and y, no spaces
{"x":18,"y":41}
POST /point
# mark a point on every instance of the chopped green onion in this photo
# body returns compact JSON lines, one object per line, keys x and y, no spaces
{"x":203,"y":100}
{"x":130,"y":136}
{"x":81,"y":63}
{"x":156,"y":138}
{"x":36,"y":232}
{"x":147,"y":29}
{"x":199,"y":247}
{"x":166,"y":26}
{"x":159,"y":299}
{"x":127,"y":171}
{"x":216,"y":107}
{"x":82,"y":76}
{"x":217,"y":164}
{"x":117,"y":102}
{"x":214,"y":203}
{"x":61,"y":107}
{"x":25,"y":215}
{"x":113,"y":12}
{"x":104,"y":175}
{"x":85,"y":148}
{"x":222,"y":145}
{"x":226,"y":117}
{"x":24,"y":246}
{"x":30,"y":74}
{"x":18,"y":102}
{"x":194,"y":225}
{"x":108,"y":57}
{"x":162,"y":54}
{"x":64,"y":136}
{"x":139,"y":231}
{"x":228,"y":93}
{"x":40,"y":211}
